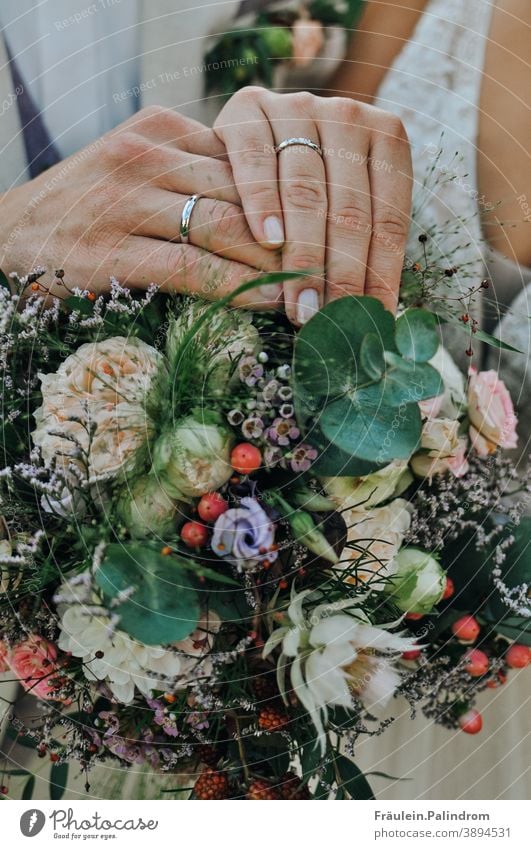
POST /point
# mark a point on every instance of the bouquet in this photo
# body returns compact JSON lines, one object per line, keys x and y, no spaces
{"x":227,"y":546}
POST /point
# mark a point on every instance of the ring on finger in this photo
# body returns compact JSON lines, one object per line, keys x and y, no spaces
{"x":186,"y":215}
{"x":299,"y":140}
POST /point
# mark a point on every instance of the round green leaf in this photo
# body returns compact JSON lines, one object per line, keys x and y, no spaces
{"x":326,"y":358}
{"x":372,"y":356}
{"x":416,"y":335}
{"x":368,"y":428}
{"x":161,"y":604}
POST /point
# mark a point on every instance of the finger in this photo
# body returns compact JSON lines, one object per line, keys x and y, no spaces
{"x":166,"y":126}
{"x":188,"y":270}
{"x":303,"y":193}
{"x":245,"y":131}
{"x":391,"y":181}
{"x":349,"y":218}
{"x":215,"y":226}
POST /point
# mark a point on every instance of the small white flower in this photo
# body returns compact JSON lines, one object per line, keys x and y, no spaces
{"x":126,"y":665}
{"x":334,"y":653}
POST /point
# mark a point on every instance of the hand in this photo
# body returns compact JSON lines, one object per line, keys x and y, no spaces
{"x":344,"y":215}
{"x":115,"y":207}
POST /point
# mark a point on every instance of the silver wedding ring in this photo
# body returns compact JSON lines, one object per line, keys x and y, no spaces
{"x":298,"y":140}
{"x":186,"y":215}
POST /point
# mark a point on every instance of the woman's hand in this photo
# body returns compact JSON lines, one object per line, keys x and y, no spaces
{"x":344,"y":215}
{"x":115,"y":207}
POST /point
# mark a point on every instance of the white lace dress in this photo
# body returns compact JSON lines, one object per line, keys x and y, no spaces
{"x":434,"y":86}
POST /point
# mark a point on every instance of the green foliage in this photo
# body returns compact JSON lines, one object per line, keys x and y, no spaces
{"x":58,"y":780}
{"x":359,"y":376}
{"x":353,"y":780}
{"x":162,"y":603}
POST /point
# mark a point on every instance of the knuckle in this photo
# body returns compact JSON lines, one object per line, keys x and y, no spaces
{"x":345,"y":110}
{"x":252,"y":156}
{"x":227,"y":224}
{"x":304,"y":102}
{"x":306,"y":194}
{"x":126,"y":147}
{"x":262,"y":197}
{"x":305,"y":258}
{"x":351,"y":218}
{"x":390,"y":231}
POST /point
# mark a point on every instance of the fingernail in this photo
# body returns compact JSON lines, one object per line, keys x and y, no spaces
{"x":274,"y":231}
{"x":271,"y":291}
{"x":307,"y":305}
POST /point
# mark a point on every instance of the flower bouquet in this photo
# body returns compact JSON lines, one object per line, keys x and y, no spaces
{"x":227,"y":546}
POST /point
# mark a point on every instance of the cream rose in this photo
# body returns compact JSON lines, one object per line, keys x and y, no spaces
{"x":364,"y":492}
{"x":374,"y":538}
{"x":93,"y":413}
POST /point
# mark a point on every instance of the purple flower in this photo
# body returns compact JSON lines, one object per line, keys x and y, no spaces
{"x":244,"y":535}
{"x":302,"y":457}
{"x":282,"y":431}
{"x":250,"y":371}
{"x":273,"y":456}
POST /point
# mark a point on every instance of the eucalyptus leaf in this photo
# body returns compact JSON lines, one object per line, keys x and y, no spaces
{"x":372,"y":356}
{"x":161,"y":603}
{"x":370,"y":429}
{"x":416,"y":335}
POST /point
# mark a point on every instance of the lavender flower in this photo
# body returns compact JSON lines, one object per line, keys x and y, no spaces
{"x":250,"y":370}
{"x":302,"y":458}
{"x":245,"y":535}
{"x":283,"y":431}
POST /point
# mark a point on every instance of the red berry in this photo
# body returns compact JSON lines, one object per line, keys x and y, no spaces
{"x":245,"y":458}
{"x":272,"y":719}
{"x":476,"y":662}
{"x":466,"y":629}
{"x":414,"y":617}
{"x":54,"y":757}
{"x":471,"y":722}
{"x":260,"y":789}
{"x":212,"y":785}
{"x":194,"y":535}
{"x":518,"y":656}
{"x":449,"y":589}
{"x":211,"y":506}
{"x":411,"y":655}
{"x":4,"y":790}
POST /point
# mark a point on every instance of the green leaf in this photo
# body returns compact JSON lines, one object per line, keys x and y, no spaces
{"x":27,"y":792}
{"x":372,"y":356}
{"x":81,"y":305}
{"x":326,"y":359}
{"x":406,"y":382}
{"x":58,"y":779}
{"x":332,"y":461}
{"x":416,"y":335}
{"x":4,"y":281}
{"x":163,"y":606}
{"x":353,"y":780}
{"x":483,"y":336}
{"x":368,"y":428}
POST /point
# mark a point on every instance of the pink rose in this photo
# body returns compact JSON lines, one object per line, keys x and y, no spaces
{"x":308,"y":39}
{"x":34,"y":663}
{"x":491,"y":413}
{"x":4,"y":655}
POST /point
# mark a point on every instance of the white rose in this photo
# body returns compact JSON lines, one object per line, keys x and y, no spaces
{"x":373,"y":540}
{"x":193,"y":458}
{"x":364,"y":492}
{"x":146,"y":508}
{"x":452,"y":402}
{"x":418,"y":581}
{"x":440,"y":436}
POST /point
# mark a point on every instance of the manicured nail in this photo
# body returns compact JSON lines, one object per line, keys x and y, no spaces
{"x":274,"y":231}
{"x":307,"y":305}
{"x":271,"y":291}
